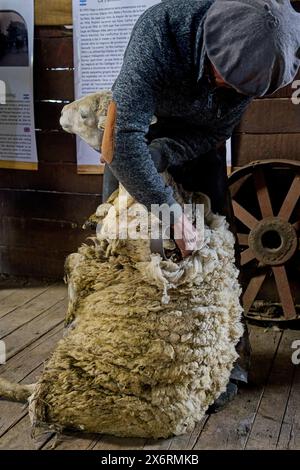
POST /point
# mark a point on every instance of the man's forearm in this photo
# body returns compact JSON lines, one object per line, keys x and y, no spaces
{"x":133,"y":166}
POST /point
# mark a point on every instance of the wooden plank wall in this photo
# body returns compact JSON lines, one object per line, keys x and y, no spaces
{"x":41,"y":213}
{"x":270,"y":128}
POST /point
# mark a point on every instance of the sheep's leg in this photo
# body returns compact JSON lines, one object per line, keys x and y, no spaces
{"x":14,"y":391}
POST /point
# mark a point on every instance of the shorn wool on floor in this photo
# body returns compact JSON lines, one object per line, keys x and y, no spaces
{"x":150,"y":343}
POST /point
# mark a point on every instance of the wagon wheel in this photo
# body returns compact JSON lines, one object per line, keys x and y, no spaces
{"x":266,"y":204}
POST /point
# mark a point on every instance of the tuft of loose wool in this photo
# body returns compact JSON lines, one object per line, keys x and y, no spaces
{"x":150,"y":343}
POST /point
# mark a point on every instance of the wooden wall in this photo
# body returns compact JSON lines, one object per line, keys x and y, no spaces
{"x":270,"y":128}
{"x":41,"y":212}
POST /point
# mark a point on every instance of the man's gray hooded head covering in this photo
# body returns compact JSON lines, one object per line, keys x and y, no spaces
{"x":254,"y":44}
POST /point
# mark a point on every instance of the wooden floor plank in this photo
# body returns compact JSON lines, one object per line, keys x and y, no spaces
{"x":23,"y":363}
{"x":25,"y":369}
{"x":31,"y":309}
{"x":30,"y":332}
{"x":268,"y":421}
{"x":188,"y":441}
{"x":20,"y":297}
{"x":266,"y":414}
{"x":19,"y":437}
{"x":229,"y":428}
{"x":12,"y":413}
{"x":4,"y":293}
{"x":71,"y":441}
{"x":289,"y":437}
{"x":40,"y":336}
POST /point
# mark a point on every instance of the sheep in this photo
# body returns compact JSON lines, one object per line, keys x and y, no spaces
{"x":149,"y":342}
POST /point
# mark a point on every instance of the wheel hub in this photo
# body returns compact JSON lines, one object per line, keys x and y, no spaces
{"x":273,"y":241}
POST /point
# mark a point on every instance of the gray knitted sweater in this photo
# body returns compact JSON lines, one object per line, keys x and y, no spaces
{"x":163,"y":74}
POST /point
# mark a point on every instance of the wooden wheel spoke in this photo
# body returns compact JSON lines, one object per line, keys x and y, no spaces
{"x":284,"y":292}
{"x":246,"y":256}
{"x":262,"y":192}
{"x":243,"y":239}
{"x":252,"y":290}
{"x":244,"y":216}
{"x":237,"y":185}
{"x":291,"y":199}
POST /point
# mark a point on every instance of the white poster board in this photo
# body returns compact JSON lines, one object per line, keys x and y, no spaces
{"x":17,"y":128}
{"x":102,"y":30}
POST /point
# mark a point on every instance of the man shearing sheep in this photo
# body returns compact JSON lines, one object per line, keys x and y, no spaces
{"x":196,"y":65}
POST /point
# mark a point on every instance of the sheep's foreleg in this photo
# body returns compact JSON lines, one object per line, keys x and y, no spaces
{"x":14,"y":391}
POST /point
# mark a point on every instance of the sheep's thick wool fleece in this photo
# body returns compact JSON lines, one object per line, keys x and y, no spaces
{"x":150,"y":344}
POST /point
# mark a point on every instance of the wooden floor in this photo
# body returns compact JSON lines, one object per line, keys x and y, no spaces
{"x":265,"y":414}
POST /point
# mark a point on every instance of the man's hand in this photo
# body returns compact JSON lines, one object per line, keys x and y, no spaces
{"x":185,"y":236}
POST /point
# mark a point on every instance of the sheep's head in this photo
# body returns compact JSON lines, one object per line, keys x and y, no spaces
{"x":86,"y":117}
